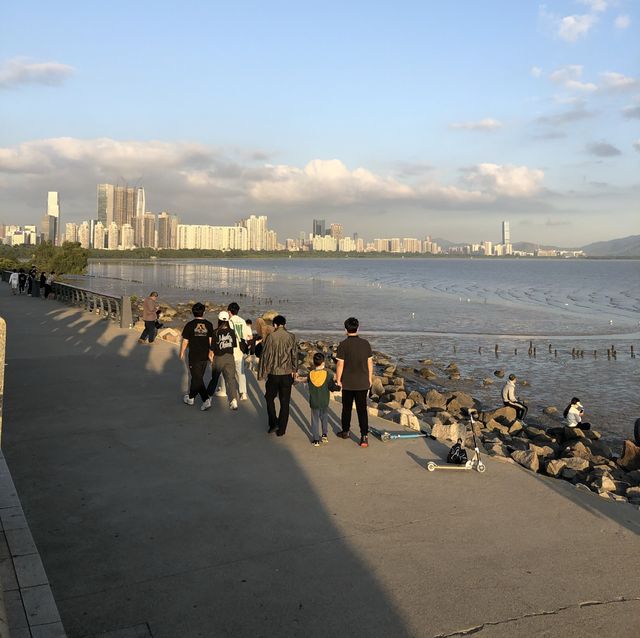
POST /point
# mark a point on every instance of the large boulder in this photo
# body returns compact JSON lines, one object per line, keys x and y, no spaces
{"x":448,"y":432}
{"x":630,"y":459}
{"x":542,"y":451}
{"x":416,"y":397}
{"x":555,"y":467}
{"x":603,"y":483}
{"x":527,"y":459}
{"x":505,"y":415}
{"x":576,"y":463}
{"x":427,"y":373}
{"x":376,"y":387}
{"x":496,"y":426}
{"x":433,"y":399}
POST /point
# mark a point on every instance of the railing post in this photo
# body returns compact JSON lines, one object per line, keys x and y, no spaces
{"x":126,"y":317}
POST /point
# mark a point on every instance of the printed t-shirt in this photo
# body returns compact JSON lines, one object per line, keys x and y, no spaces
{"x":224,"y":341}
{"x":197,"y":332}
{"x":355,"y":352}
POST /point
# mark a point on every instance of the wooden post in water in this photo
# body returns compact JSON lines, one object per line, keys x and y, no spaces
{"x":534,"y":351}
{"x":608,"y":353}
{"x":555,"y":354}
{"x":480,"y":350}
{"x":595,"y":354}
{"x":496,"y":349}
{"x":515,"y":351}
{"x":549,"y":348}
{"x":633,"y":356}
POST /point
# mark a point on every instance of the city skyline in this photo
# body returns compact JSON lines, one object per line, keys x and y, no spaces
{"x":448,"y":117}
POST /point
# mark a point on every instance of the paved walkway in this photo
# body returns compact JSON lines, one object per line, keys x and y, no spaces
{"x":155,"y":519}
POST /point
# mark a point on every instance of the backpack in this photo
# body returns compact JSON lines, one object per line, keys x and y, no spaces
{"x":457,"y":454}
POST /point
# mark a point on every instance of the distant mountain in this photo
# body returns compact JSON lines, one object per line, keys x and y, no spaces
{"x":529,"y":247}
{"x":624,"y":247}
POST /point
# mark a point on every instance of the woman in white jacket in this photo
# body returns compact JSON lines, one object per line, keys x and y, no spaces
{"x":573,"y":414}
{"x":14,"y":278}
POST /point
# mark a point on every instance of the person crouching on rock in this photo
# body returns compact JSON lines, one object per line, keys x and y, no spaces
{"x":510,"y":399}
{"x":573,"y":414}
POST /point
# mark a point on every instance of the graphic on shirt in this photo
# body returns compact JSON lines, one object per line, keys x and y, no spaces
{"x":200,"y":330}
{"x":225,"y":341}
{"x":317,"y":377}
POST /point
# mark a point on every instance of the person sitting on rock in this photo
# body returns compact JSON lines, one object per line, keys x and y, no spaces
{"x":573,"y":414}
{"x":510,"y":399}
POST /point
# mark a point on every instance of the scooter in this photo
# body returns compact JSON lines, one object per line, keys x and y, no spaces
{"x":386,"y":436}
{"x":474,"y":463}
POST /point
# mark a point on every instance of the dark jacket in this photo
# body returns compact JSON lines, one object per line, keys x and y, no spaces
{"x":279,"y":354}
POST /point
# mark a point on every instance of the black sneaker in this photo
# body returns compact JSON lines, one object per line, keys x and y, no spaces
{"x":364,"y":441}
{"x":343,"y":435}
{"x":315,"y":443}
{"x":271,"y":430}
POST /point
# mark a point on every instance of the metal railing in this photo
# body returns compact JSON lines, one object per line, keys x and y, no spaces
{"x":107,"y":306}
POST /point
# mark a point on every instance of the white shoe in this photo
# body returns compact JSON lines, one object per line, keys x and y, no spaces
{"x":221,"y":393}
{"x":188,"y":400}
{"x":233,"y":405}
{"x":244,"y":397}
{"x":205,"y":405}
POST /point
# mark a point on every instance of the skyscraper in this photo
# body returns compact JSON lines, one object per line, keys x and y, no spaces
{"x":319,"y":226}
{"x":119,"y":204}
{"x":257,"y":231}
{"x":336,"y":231}
{"x":50,"y":226}
{"x":105,"y":204}
{"x":506,"y":234}
{"x":167,"y":230}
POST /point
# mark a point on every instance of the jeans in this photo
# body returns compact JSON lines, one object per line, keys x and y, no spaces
{"x":240,"y":375}
{"x":278,"y":385}
{"x":319,"y":416}
{"x":223,"y":366}
{"x":360,"y":397}
{"x":149,"y":331}
{"x":520,"y":408}
{"x":197,"y":369}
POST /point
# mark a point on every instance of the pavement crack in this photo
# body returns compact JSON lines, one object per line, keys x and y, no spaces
{"x":549,"y":612}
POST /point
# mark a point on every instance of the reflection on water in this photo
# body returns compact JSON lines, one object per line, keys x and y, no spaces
{"x":423,"y":308}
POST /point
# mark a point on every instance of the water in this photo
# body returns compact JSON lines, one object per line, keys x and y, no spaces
{"x":417,"y":308}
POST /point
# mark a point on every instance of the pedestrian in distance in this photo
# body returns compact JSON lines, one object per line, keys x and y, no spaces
{"x":510,"y":399}
{"x":31,"y":279}
{"x":354,"y":373}
{"x":14,"y":281}
{"x":223,"y":344}
{"x":320,"y":382}
{"x":43,"y":281}
{"x":48,"y":283}
{"x":243,"y":335}
{"x":150,"y":309}
{"x":22,"y":280}
{"x":573,"y":414}
{"x":278,"y":364}
{"x":196,"y":339}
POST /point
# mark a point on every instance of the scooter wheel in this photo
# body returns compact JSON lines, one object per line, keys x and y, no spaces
{"x":481,"y":467}
{"x":431,"y":466}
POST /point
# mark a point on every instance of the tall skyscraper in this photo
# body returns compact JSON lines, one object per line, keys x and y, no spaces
{"x":71,"y":232}
{"x":84,"y":235}
{"x":149,"y":235}
{"x":336,"y":231}
{"x":319,"y":227}
{"x":257,"y":231}
{"x":506,"y":234}
{"x":50,"y":226}
{"x":119,"y":204}
{"x":105,"y":204}
{"x":99,"y":236}
{"x":167,"y":230}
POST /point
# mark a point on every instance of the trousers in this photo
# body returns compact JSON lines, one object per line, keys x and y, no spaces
{"x":149,"y":331}
{"x":319,"y":416}
{"x":224,"y":366}
{"x":278,"y":385}
{"x":241,"y":377}
{"x":197,"y":387}
{"x":360,"y":397}
{"x":520,"y":408}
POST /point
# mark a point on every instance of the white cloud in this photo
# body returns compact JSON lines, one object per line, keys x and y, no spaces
{"x":19,"y":71}
{"x":598,"y":6}
{"x":636,"y":145}
{"x":571,"y":28}
{"x":612,"y":81}
{"x":535,"y":71}
{"x":622,"y":22}
{"x":487,"y":124}
{"x":566,"y":73}
{"x":575,"y":85}
{"x":509,"y":181}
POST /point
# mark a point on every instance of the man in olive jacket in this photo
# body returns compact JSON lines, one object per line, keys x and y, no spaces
{"x":278,"y":363}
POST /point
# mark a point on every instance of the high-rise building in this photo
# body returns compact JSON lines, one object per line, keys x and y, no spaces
{"x":71,"y":232}
{"x":319,"y":227}
{"x":127,"y":237}
{"x":84,"y":235}
{"x":487,"y":248}
{"x":336,"y":231}
{"x":119,"y":204}
{"x":113,"y":236}
{"x":257,"y":231}
{"x":324,"y":243}
{"x":105,"y":204}
{"x":149,"y":235}
{"x":506,"y":233}
{"x":167,"y":230}
{"x":50,"y":226}
{"x":99,"y":236}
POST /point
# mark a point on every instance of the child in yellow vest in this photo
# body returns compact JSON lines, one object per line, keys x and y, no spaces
{"x":320,"y":381}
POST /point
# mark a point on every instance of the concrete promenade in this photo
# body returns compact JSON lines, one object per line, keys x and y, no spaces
{"x":153,"y":518}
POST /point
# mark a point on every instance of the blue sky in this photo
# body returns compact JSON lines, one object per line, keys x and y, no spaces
{"x":402,"y":119}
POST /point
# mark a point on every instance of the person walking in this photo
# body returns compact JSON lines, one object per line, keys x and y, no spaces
{"x":31,"y":278}
{"x":278,"y":363}
{"x":43,"y":282}
{"x":22,"y":280}
{"x":243,"y":336}
{"x":196,"y":337}
{"x":14,"y":281}
{"x":354,"y":373}
{"x":223,"y":344}
{"x":48,"y":283}
{"x":509,"y":398}
{"x":150,"y":309}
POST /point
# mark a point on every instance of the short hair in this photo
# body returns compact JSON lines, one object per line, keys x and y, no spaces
{"x":279,"y":320}
{"x":198,"y":309}
{"x":153,"y":293}
{"x":351,"y":325}
{"x":248,"y":322}
{"x":233,"y":308}
{"x":512,"y":377}
{"x":318,"y":358}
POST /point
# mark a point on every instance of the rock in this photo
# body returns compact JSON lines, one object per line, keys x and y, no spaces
{"x":532,"y":432}
{"x":427,"y":373}
{"x":580,"y":450}
{"x":416,"y":397}
{"x":448,"y":432}
{"x":390,"y":371}
{"x":568,"y":473}
{"x":556,"y":432}
{"x":599,"y":448}
{"x":544,"y":451}
{"x":495,"y":426}
{"x":594,"y":435}
{"x":170,"y":335}
{"x":527,"y":459}
{"x":464,"y":400}
{"x":399,"y":396}
{"x":392,"y":405}
{"x":505,"y":415}
{"x":549,"y":410}
{"x":604,"y":483}
{"x":630,"y":458}
{"x":499,"y":373}
{"x":576,"y":463}
{"x":555,"y":467}
{"x":633,"y":493}
{"x":515,"y":428}
{"x":487,"y":381}
{"x":376,"y":387}
{"x":572,"y":433}
{"x":516,"y":443}
{"x":634,"y":477}
{"x":498,"y":449}
{"x":408,"y":404}
{"x":433,"y":399}
{"x":426,"y":362}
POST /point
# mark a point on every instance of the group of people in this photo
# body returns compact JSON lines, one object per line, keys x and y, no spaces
{"x":22,"y":281}
{"x":230,"y":344}
{"x":573,"y":413}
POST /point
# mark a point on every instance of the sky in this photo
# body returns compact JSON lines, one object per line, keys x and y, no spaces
{"x":396,"y":119}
